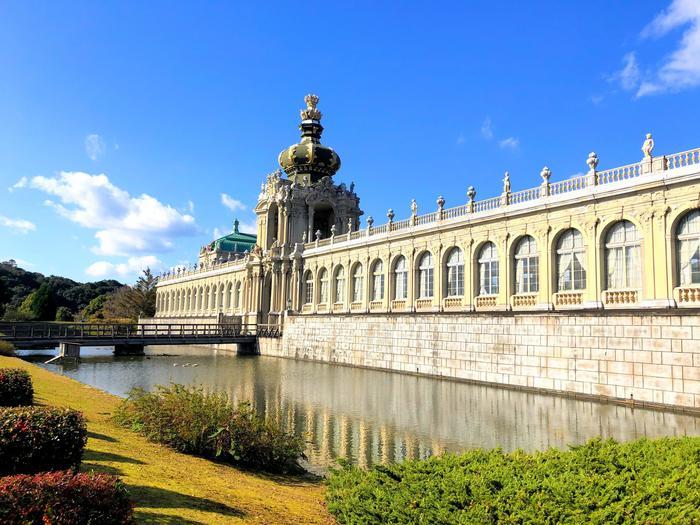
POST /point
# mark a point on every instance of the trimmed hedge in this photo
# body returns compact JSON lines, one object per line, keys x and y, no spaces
{"x":209,"y":425}
{"x":601,"y":482}
{"x":7,"y":349}
{"x":35,"y":439}
{"x":15,"y":387}
{"x":64,"y":498}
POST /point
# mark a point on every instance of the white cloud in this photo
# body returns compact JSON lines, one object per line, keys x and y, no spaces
{"x":125,"y":225}
{"x":190,"y":206}
{"x":628,"y":76}
{"x":461,"y":139}
{"x":94,"y":146}
{"x":511,"y":143}
{"x":487,"y":129}
{"x":217,"y":233}
{"x":231,"y":203}
{"x":21,"y":183}
{"x":681,"y":68}
{"x":133,"y":266}
{"x":17,"y":225}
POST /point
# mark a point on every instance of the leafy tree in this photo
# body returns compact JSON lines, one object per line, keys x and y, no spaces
{"x":94,"y":310}
{"x":40,"y":304}
{"x":132,"y":302}
{"x":63,"y":313}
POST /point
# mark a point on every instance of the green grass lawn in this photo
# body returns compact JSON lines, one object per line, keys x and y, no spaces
{"x":169,"y":487}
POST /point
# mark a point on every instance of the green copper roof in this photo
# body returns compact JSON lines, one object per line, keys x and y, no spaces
{"x":235,"y":241}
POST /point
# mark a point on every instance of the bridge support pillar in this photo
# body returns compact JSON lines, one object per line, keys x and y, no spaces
{"x":128,"y":349}
{"x":69,"y":350}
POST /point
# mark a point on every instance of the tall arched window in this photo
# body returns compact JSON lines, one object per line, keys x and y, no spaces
{"x":688,"y":254}
{"x":527,"y":265}
{"x":378,"y":281}
{"x":622,"y":252}
{"x":357,"y":282}
{"x":571,"y":261}
{"x":455,"y":273}
{"x":229,"y":296}
{"x":339,"y":285}
{"x":400,"y":278}
{"x":323,"y":286}
{"x":308,"y":287}
{"x":206,"y":298}
{"x":488,"y":269}
{"x":222,"y":296}
{"x":237,"y":295}
{"x":425,"y":276}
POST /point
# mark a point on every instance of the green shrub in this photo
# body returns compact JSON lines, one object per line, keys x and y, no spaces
{"x":645,"y":481}
{"x":7,"y":349}
{"x":209,"y":425}
{"x":64,"y":498}
{"x":34,"y":439}
{"x":15,"y":387}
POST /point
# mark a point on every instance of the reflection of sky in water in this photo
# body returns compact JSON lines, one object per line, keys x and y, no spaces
{"x":375,"y":416}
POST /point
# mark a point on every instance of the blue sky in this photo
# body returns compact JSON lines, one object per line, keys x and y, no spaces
{"x":124,"y":124}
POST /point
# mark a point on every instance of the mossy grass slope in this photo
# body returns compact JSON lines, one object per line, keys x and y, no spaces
{"x":169,"y":487}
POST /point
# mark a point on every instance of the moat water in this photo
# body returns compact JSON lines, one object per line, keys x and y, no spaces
{"x":371,"y":416}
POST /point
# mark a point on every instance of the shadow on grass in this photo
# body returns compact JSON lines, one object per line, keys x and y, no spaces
{"x":95,"y":455}
{"x":95,"y":435}
{"x":163,"y":519}
{"x":163,"y":498}
{"x":102,"y":469}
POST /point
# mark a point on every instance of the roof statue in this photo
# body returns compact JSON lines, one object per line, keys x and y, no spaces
{"x":648,"y":146}
{"x":311,"y":113}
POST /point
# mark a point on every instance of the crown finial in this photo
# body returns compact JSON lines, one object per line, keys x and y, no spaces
{"x":311,"y":112}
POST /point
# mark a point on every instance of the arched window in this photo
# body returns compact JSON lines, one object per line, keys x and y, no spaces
{"x":688,"y":234}
{"x":206,"y":298}
{"x":488,"y":269}
{"x":571,"y":261}
{"x":222,"y":297}
{"x":425,"y":276}
{"x":378,"y":281}
{"x":455,"y":273}
{"x":357,"y":280}
{"x":229,"y":296}
{"x":340,"y":285}
{"x":400,"y":279}
{"x":308,"y":287}
{"x":622,"y":249}
{"x":527,"y":265}
{"x":323,"y":286}
{"x":237,"y":295}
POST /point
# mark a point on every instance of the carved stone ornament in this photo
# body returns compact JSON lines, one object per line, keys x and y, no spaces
{"x":311,"y":112}
{"x":592,"y":161}
{"x":471,"y":193}
{"x":390,"y":215}
{"x":370,"y":221}
{"x":545,"y":174}
{"x":648,"y":146}
{"x":440,"y":202}
{"x":506,"y":183}
{"x":414,"y":207}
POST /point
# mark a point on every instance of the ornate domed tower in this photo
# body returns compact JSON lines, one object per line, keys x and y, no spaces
{"x":307,"y":203}
{"x":309,"y":161}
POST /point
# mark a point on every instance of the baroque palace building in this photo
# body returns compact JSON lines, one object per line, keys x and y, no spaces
{"x":619,"y":245}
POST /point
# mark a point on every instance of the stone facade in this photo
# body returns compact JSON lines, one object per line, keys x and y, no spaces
{"x":640,"y":357}
{"x":619,"y":240}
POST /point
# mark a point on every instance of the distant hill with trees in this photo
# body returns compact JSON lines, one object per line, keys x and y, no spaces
{"x":31,"y":296}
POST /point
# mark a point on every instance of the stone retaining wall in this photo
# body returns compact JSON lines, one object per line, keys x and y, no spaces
{"x":648,"y":357}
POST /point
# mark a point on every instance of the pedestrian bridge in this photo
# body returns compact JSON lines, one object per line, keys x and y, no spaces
{"x":130,"y":338}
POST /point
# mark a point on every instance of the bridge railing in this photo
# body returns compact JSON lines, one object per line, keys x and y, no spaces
{"x":35,"y":331}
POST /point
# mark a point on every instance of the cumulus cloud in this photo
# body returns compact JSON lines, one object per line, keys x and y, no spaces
{"x":126,"y":225}
{"x":231,"y":203}
{"x":133,"y":266}
{"x":511,"y":143}
{"x":94,"y":146}
{"x":17,"y":225}
{"x":21,"y":183}
{"x":681,"y":69}
{"x":487,"y":129}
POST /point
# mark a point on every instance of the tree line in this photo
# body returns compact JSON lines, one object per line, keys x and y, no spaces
{"x":31,"y":296}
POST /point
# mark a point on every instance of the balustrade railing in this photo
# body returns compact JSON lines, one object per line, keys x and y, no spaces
{"x":619,"y":174}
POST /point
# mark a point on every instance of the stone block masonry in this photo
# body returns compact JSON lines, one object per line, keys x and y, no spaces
{"x":645,"y":357}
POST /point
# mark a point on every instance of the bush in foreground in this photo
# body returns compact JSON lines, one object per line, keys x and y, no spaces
{"x":645,"y":481}
{"x":7,"y":349}
{"x":15,"y":387}
{"x":209,"y":425}
{"x":64,"y":498}
{"x":35,"y":439}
